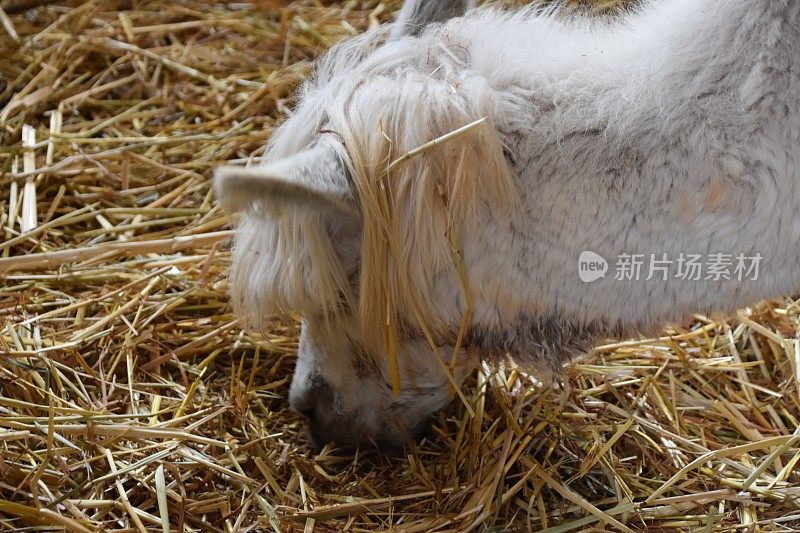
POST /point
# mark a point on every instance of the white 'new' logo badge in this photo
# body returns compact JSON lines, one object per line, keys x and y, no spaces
{"x":591,"y":267}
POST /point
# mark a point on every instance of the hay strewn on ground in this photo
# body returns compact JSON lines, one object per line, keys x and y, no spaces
{"x":131,"y":400}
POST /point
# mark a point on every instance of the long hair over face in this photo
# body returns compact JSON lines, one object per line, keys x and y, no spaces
{"x":382,"y":102}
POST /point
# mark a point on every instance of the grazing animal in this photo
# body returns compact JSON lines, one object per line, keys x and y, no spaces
{"x":668,"y":133}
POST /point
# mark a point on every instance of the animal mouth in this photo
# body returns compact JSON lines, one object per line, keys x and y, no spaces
{"x":342,"y":430}
{"x":347,"y":433}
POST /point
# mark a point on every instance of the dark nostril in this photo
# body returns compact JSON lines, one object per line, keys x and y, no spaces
{"x":305,"y":405}
{"x":307,"y":398}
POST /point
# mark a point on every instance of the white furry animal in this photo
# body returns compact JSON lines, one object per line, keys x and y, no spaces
{"x":673,"y":129}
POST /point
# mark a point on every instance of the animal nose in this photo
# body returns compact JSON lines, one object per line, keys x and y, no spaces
{"x":305,"y":403}
{"x":310,"y":395}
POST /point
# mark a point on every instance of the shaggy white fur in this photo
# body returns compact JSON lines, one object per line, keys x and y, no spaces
{"x":673,"y":129}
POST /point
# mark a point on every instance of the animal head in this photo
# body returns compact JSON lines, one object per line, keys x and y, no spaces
{"x":339,"y":228}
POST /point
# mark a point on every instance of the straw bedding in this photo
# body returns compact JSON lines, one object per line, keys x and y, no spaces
{"x":132,"y":400}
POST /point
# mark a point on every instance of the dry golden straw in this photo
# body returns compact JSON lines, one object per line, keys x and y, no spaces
{"x":132,"y":400}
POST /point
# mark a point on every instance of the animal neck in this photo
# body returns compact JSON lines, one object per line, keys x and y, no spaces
{"x":683,"y":143}
{"x":722,"y":41}
{"x":712,"y":51}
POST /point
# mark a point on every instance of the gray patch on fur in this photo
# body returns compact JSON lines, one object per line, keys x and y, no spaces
{"x":546,"y":341}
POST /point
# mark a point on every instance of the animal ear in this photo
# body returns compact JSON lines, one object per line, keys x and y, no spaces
{"x":315,"y":178}
{"x":416,"y":14}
